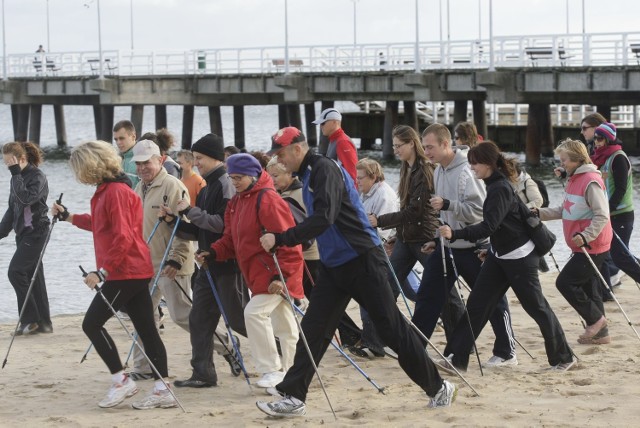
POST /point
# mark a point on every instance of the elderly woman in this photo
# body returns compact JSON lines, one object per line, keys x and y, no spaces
{"x":124,"y":266}
{"x":27,"y":217}
{"x":254,"y":209}
{"x":585,"y":222}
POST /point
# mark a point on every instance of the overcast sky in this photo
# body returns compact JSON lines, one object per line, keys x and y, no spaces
{"x":197,"y":24}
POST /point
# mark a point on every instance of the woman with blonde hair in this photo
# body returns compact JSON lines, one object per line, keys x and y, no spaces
{"x":585,"y":222}
{"x":27,"y":217}
{"x":416,"y":221}
{"x":123,"y":264}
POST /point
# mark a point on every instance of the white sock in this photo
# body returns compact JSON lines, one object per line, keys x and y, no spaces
{"x":160,"y":386}
{"x":118,"y":377}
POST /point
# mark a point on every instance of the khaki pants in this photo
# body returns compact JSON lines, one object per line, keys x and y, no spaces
{"x":267,"y":315}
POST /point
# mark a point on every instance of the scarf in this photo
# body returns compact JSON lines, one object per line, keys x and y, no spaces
{"x":601,"y":154}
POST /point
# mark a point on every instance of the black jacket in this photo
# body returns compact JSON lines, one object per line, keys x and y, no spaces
{"x":27,"y":211}
{"x":417,"y":221}
{"x":207,"y":216}
{"x":502,"y":222}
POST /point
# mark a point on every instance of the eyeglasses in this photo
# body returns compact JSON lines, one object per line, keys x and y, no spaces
{"x":236,"y":177}
{"x":397,"y":146}
{"x":600,"y":138}
{"x":584,"y":128}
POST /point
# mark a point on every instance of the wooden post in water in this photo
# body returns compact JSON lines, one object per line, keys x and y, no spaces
{"x":411,"y":115}
{"x":21,"y":119}
{"x":161,"y":116}
{"x":137,"y":114}
{"x":238,"y":126}
{"x":106,"y":114}
{"x":35,"y":123}
{"x":61,"y":127}
{"x":15,"y":112}
{"x":188,"y":112}
{"x":459,"y":111}
{"x":480,"y":118}
{"x":604,"y":110}
{"x":97,"y":120}
{"x":324,"y":141}
{"x":539,"y":132}
{"x":283,"y":116}
{"x":295,"y":118}
{"x":309,"y":128}
{"x":215,"y":120}
{"x":390,"y":121}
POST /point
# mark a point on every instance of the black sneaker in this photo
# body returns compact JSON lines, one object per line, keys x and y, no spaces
{"x":26,"y":329}
{"x":234,"y":362}
{"x":45,"y":328}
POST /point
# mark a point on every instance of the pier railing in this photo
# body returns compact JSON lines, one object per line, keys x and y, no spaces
{"x":556,"y":50}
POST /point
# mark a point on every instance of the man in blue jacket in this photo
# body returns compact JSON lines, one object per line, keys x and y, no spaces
{"x":353,"y":266}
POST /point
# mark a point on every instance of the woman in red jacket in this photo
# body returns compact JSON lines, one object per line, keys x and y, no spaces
{"x":267,"y":313}
{"x":124,"y":265}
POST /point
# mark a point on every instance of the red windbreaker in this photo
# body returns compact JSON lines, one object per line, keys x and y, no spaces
{"x":241,"y":239}
{"x":116,"y":223}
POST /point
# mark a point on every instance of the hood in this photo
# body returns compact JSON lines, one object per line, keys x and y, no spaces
{"x":582,"y":169}
{"x":122,"y":178}
{"x":460,"y":157}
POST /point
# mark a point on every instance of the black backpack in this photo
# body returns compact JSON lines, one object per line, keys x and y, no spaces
{"x":299,"y":213}
{"x":543,"y":191}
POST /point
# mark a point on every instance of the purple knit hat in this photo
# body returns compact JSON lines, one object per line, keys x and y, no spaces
{"x":244,"y":164}
{"x":608,"y":131}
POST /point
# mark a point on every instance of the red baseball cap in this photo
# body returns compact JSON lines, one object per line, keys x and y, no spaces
{"x":285,"y":137}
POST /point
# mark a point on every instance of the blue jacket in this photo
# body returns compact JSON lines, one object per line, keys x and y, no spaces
{"x":336,"y":217}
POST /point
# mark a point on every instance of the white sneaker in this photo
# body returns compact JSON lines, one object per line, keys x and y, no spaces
{"x":270,"y":379}
{"x":616,"y":280}
{"x":445,"y":396}
{"x":285,"y":408}
{"x":162,"y":399}
{"x":118,"y":392}
{"x":496,"y":361}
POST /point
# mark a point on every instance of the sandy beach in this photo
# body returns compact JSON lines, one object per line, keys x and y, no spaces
{"x":44,"y":384}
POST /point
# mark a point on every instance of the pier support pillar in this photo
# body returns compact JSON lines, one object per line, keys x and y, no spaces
{"x":106,"y":123}
{"x":97,"y":120}
{"x":35,"y":123}
{"x":161,"y":117}
{"x":283,"y":116}
{"x":324,"y":141}
{"x":480,"y":118}
{"x":390,"y":121}
{"x":539,"y":133}
{"x":295,"y":119}
{"x":309,"y":128}
{"x":21,"y":121}
{"x":187,"y":126}
{"x":238,"y":126}
{"x":61,"y":127}
{"x":137,"y":114}
{"x":604,"y":110}
{"x":215,"y":120}
{"x":459,"y":111}
{"x":411,"y":115}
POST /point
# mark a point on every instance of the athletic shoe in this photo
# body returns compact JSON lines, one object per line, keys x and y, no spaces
{"x":27,"y":329}
{"x":45,"y":328}
{"x":594,"y":328}
{"x":162,"y":399}
{"x":234,"y":361}
{"x":365,"y":352}
{"x":446,"y":365}
{"x":194,"y":383}
{"x":616,"y":280}
{"x":274,"y":392}
{"x":140,"y":376}
{"x":270,"y":379}
{"x":496,"y":361}
{"x":118,"y":392}
{"x":445,"y":396}
{"x":601,"y":338}
{"x":563,"y":367}
{"x":286,"y":408}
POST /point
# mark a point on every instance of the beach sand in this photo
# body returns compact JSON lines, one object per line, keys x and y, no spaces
{"x":44,"y":384}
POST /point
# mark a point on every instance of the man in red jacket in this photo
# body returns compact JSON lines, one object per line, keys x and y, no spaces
{"x":341,"y":148}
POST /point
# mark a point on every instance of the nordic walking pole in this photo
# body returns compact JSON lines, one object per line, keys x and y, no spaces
{"x":302,"y":335}
{"x":584,"y":250}
{"x":226,"y":323}
{"x":115,"y":314}
{"x":393,"y":273}
{"x":466,"y":313}
{"x":33,"y":280}
{"x":353,"y":363}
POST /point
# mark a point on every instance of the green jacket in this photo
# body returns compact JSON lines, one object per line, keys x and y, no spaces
{"x":129,"y":167}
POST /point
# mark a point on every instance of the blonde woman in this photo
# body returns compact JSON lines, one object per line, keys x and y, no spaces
{"x":123,"y":263}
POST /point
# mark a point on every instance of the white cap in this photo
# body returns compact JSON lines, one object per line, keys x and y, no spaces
{"x":328,"y":114}
{"x":145,"y":150}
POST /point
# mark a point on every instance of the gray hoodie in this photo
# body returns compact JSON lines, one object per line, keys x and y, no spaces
{"x":465,"y":194}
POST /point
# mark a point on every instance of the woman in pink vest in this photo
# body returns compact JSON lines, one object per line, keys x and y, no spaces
{"x":585,"y":222}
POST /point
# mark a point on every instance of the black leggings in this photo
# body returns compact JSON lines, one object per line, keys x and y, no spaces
{"x":133,"y":295}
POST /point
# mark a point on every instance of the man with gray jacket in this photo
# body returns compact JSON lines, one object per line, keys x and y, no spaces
{"x":158,"y":188}
{"x":459,"y":198}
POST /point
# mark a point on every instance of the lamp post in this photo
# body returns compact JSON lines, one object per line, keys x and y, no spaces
{"x":286,"y":37}
{"x":491,"y":60}
{"x":355,"y":40}
{"x":4,"y":46}
{"x":48,"y":33}
{"x":100,"y":42}
{"x":416,"y":58}
{"x":131,"y":10}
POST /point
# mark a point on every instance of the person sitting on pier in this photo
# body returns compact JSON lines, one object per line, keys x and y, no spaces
{"x":124,"y":134}
{"x":341,"y":148}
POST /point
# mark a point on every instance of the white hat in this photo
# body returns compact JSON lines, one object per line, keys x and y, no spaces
{"x":145,"y":150}
{"x":328,"y":114}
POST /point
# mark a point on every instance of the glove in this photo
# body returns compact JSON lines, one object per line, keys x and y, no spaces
{"x":63,"y":215}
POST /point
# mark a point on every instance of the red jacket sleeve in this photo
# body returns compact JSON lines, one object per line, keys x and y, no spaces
{"x":347,"y":156}
{"x":82,"y":221}
{"x":224,"y":247}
